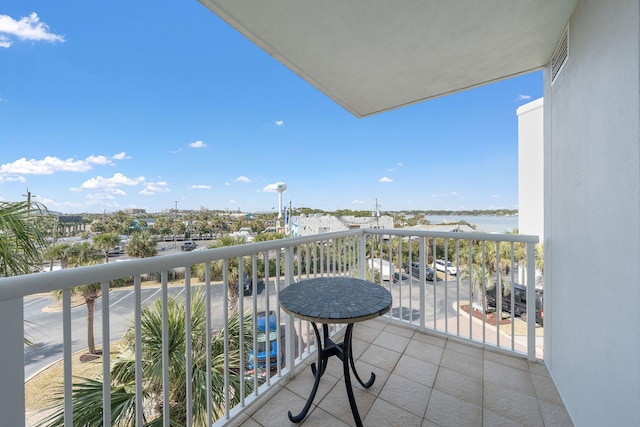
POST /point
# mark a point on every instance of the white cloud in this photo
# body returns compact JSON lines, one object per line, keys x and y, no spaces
{"x":279,"y":122}
{"x":200,"y":187}
{"x":495,"y":196}
{"x":153,"y":188}
{"x":27,"y":28}
{"x":197,"y":144}
{"x":99,"y":160}
{"x":358,"y":202}
{"x":522,"y":97}
{"x":110,"y":185}
{"x":227,"y":183}
{"x":12,"y":178}
{"x":390,"y":170}
{"x":121,"y":156}
{"x":453,"y":193}
{"x":46,"y":166}
{"x":242,"y":178}
{"x":385,"y":179}
{"x":399,"y":164}
{"x":5,"y":42}
{"x":233,"y":202}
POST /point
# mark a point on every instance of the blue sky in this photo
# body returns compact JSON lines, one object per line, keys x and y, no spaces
{"x":113,"y":105}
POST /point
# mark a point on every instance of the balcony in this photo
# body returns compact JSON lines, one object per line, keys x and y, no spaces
{"x":431,"y":358}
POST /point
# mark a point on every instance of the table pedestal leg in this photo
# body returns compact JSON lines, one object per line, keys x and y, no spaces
{"x":344,"y":352}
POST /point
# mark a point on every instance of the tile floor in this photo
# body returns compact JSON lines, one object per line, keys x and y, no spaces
{"x":421,"y":380}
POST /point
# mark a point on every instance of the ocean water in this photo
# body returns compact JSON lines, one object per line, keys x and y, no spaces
{"x":489,"y":224}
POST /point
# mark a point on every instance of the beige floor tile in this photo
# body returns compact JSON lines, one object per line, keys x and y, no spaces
{"x":424,"y":351}
{"x":430,"y":338}
{"x":490,"y":418}
{"x":393,"y":342}
{"x":416,"y":370}
{"x":274,"y":411}
{"x":511,"y":404}
{"x":471,"y":365}
{"x":336,"y":402}
{"x":539,"y":368}
{"x":302,"y":385}
{"x":403,"y":331}
{"x":385,"y":414}
{"x":546,"y":390}
{"x":507,"y":360}
{"x":364,"y":332}
{"x":381,"y":357}
{"x":406,"y":394}
{"x":364,"y":370}
{"x":470,"y":349}
{"x":445,"y":410}
{"x":321,"y":418}
{"x":459,"y":385}
{"x":554,"y":415}
{"x":508,"y":377}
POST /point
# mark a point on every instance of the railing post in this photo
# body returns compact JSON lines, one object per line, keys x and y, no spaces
{"x":12,"y":362}
{"x":422,"y":256}
{"x":531,"y":301}
{"x":362,"y":257}
{"x":289,"y":332}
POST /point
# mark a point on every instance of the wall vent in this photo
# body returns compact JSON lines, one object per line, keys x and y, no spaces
{"x":560,"y":55}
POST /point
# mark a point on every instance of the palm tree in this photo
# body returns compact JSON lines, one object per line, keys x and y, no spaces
{"x":106,"y":242}
{"x":84,"y":254}
{"x":87,"y":394}
{"x":142,"y":245}
{"x":232,"y":268}
{"x":480,"y":283}
{"x":21,"y":241}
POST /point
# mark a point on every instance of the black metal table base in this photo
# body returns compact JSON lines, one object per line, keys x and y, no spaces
{"x":344,"y":352}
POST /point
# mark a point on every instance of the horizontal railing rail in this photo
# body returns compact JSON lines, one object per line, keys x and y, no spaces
{"x":444,"y":305}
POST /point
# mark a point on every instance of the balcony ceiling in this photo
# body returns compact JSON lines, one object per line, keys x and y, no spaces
{"x":372,"y":56}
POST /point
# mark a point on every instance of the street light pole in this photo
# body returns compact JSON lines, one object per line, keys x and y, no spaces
{"x":175,"y":237}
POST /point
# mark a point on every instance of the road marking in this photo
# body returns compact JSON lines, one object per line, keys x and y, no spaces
{"x":116,"y":302}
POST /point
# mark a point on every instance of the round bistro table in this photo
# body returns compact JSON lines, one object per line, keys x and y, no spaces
{"x":331,"y":300}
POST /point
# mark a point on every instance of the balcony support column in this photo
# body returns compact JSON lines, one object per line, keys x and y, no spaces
{"x":12,"y":362}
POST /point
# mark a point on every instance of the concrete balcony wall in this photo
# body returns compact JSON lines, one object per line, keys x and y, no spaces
{"x":592,"y":216}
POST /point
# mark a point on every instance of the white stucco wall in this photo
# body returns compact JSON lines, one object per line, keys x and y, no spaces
{"x":592,"y":216}
{"x":531,"y":168}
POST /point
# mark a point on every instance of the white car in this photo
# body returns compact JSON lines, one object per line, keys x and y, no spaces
{"x":442,"y":265}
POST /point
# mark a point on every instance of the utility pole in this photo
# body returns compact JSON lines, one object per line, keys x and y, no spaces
{"x":28,"y":196}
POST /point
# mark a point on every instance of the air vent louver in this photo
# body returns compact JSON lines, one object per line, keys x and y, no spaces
{"x":560,"y":55}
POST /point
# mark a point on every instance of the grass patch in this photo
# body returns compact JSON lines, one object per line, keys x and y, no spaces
{"x":44,"y":386}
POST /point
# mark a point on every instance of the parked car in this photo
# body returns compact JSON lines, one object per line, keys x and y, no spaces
{"x":446,"y":266}
{"x":247,"y":286}
{"x":414,"y":269}
{"x":188,"y":246}
{"x":267,"y":344}
{"x":519,"y":301}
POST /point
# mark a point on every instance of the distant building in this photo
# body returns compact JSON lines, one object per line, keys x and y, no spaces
{"x":315,"y":224}
{"x":531,"y":168}
{"x":132,"y":211}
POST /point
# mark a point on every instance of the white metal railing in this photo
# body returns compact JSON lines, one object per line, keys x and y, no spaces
{"x":428,"y":305}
